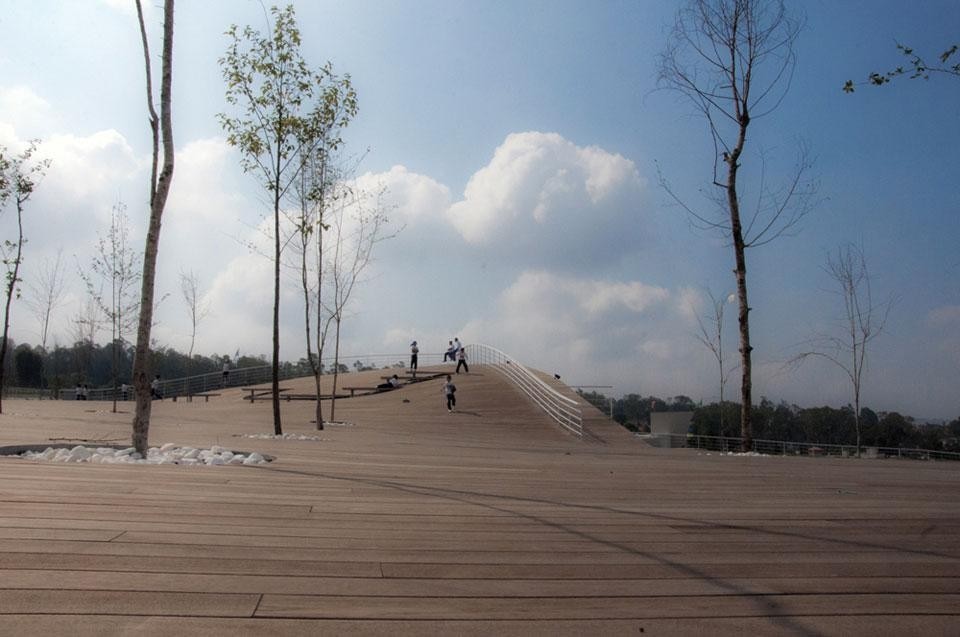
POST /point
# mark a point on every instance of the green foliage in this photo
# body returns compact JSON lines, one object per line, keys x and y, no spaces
{"x":828,"y":425}
{"x":283,"y":107}
{"x":916,"y":68}
{"x":19,"y":176}
{"x":29,"y":366}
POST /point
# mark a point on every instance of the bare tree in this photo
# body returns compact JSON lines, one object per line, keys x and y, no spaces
{"x":712,"y":339}
{"x":19,"y":176}
{"x":862,"y":321}
{"x":117,"y":266}
{"x":282,"y":102}
{"x":733,"y":60}
{"x":159,"y":189}
{"x":46,"y":293}
{"x":87,"y":323}
{"x":321,"y":187}
{"x":197,"y":308}
{"x":314,"y":194}
{"x":357,"y":227}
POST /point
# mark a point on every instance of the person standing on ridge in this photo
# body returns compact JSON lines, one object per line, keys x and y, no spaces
{"x":414,"y":350}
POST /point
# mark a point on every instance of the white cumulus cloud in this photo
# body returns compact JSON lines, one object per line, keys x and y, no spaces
{"x":23,"y":113}
{"x":596,"y":331}
{"x":543,"y":190}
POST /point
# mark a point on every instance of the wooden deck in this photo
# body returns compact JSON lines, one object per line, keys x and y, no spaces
{"x":490,"y":520}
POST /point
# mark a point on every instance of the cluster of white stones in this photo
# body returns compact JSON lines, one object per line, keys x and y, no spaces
{"x":281,"y":437}
{"x":167,"y":454}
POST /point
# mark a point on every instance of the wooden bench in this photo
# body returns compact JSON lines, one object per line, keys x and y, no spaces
{"x":367,"y":390}
{"x":206,"y":396}
{"x":415,"y":377}
{"x":289,"y":397}
{"x":261,"y":393}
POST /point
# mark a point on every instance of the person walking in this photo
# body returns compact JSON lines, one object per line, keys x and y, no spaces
{"x":450,"y":353}
{"x":414,"y":350}
{"x":450,"y":391}
{"x":462,"y":360}
{"x":226,"y":372}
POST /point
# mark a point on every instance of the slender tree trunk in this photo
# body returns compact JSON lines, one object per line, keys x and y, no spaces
{"x":159,"y":189}
{"x":11,"y":286}
{"x":336,"y":370}
{"x":743,"y":313}
{"x":314,"y":363}
{"x":275,"y":371}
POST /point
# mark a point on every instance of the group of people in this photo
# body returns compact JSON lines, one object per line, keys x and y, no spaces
{"x":82,"y":392}
{"x":455,"y":352}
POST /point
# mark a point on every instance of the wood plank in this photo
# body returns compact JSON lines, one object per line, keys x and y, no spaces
{"x":519,"y":588}
{"x":511,"y":608}
{"x":57,"y":602}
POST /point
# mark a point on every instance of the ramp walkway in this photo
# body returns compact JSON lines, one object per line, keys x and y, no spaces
{"x":407,"y":519}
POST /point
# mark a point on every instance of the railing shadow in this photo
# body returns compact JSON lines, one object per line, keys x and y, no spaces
{"x":772,"y":610}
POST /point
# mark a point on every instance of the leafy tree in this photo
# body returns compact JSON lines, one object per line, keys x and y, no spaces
{"x":894,"y":430}
{"x":596,"y":399}
{"x":826,"y":425}
{"x":778,"y":422}
{"x":733,"y":60}
{"x":161,"y":127}
{"x":19,"y":176}
{"x":716,"y":420}
{"x":916,"y":68}
{"x":281,"y":104}
{"x":29,"y":365}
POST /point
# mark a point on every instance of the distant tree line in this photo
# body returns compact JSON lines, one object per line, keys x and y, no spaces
{"x":91,"y":364}
{"x":783,"y":421}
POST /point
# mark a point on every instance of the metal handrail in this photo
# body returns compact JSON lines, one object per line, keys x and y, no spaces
{"x":565,"y":411}
{"x":786,"y":448}
{"x":255,"y":375}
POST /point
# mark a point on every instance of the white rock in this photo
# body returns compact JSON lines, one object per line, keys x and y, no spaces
{"x":254,"y":458}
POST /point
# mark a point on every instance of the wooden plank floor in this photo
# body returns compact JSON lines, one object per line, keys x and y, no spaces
{"x":408,"y":519}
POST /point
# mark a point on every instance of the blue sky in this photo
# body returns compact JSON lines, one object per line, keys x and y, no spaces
{"x":520,"y":142}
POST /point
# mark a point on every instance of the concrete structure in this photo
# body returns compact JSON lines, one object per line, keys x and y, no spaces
{"x":670,"y":427}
